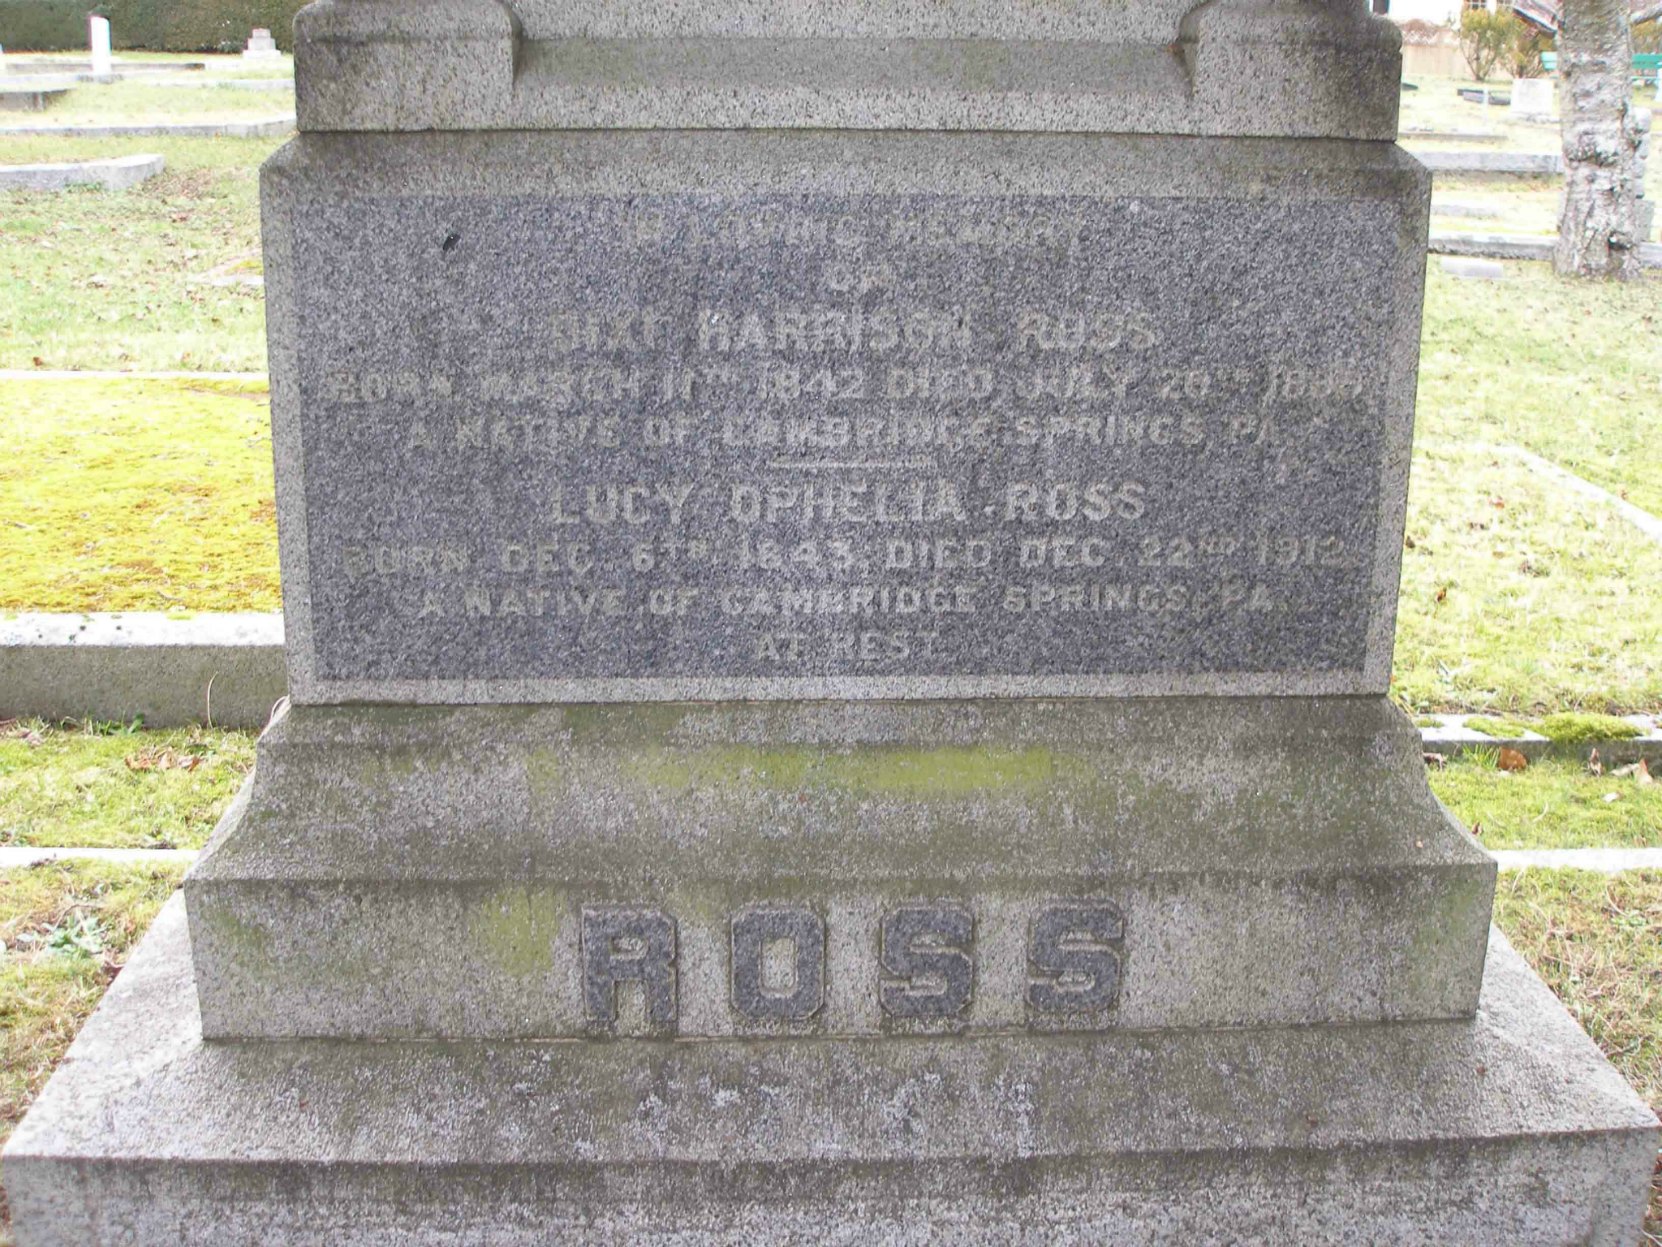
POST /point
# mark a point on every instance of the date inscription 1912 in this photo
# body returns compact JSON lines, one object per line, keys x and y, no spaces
{"x":686,"y":439}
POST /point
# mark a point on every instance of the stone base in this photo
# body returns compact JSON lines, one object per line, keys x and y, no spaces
{"x":424,"y":873}
{"x":1509,"y":1129}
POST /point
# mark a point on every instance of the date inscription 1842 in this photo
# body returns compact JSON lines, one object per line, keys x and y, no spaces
{"x":681,"y":445}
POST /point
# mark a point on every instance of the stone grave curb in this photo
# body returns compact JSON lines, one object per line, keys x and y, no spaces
{"x":112,"y":174}
{"x":239,"y":84}
{"x":1492,"y":164}
{"x":1451,"y":737}
{"x":30,"y":98}
{"x":1517,"y":247}
{"x":1418,"y":134}
{"x":169,"y":671}
{"x":113,"y":667}
{"x":267,"y":127}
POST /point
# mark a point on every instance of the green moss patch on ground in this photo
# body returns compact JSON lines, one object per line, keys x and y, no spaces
{"x":96,"y":279}
{"x":1554,"y":804}
{"x":1519,"y":598}
{"x":109,"y":788}
{"x":136,"y":495}
{"x":1597,"y":941}
{"x":66,"y":928}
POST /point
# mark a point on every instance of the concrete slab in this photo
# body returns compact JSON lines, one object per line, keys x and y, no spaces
{"x":236,"y":84}
{"x":1516,"y":247}
{"x":115,"y":173}
{"x":30,"y":99}
{"x":1508,"y":1128}
{"x":170,"y":671}
{"x":266,"y":128}
{"x":1493,"y":164}
{"x":1604,"y":861}
{"x":1482,"y":270}
{"x":1415,"y":134}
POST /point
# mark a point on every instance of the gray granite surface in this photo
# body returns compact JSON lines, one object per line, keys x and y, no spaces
{"x":1507,"y":1128}
{"x":571,"y":417}
{"x":1223,"y":67}
{"x":448,"y":872}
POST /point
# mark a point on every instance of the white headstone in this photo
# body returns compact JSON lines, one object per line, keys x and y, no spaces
{"x":1532,"y":97}
{"x":261,"y":46}
{"x":99,"y":39}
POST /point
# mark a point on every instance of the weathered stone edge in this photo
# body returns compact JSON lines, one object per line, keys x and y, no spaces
{"x":1519,"y":247}
{"x":147,"y":1128}
{"x":263,"y":128}
{"x":112,"y":173}
{"x":224,"y":669}
{"x":56,"y":666}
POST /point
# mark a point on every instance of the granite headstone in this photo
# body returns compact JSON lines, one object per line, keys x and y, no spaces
{"x":840,"y":566}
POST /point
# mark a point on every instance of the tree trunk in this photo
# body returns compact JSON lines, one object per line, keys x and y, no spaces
{"x":1598,"y":232}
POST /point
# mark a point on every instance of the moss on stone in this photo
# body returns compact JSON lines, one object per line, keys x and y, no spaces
{"x":1500,"y":729}
{"x":514,"y":929}
{"x":887,"y":771}
{"x":1575,"y":728}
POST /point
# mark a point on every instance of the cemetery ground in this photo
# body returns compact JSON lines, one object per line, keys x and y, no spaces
{"x":121,"y":489}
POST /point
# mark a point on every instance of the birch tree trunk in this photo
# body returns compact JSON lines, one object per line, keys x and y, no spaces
{"x":1598,"y":231}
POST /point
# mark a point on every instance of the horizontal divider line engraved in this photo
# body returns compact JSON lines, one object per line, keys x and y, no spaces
{"x":1293,"y":682}
{"x":823,"y":438}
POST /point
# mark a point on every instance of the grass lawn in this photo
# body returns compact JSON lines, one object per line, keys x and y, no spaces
{"x":110,"y":788}
{"x":1554,"y":804}
{"x":93,"y":279}
{"x":1597,"y":941}
{"x":1437,"y":105}
{"x":1518,"y":596}
{"x":65,"y":931}
{"x":1566,"y":369}
{"x":136,"y":495}
{"x":135,"y":101}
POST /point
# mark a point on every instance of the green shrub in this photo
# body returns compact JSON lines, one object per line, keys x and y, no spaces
{"x":151,"y":25}
{"x":43,"y":25}
{"x":1484,"y":38}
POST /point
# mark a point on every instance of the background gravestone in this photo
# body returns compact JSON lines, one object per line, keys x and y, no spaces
{"x":867,"y":539}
